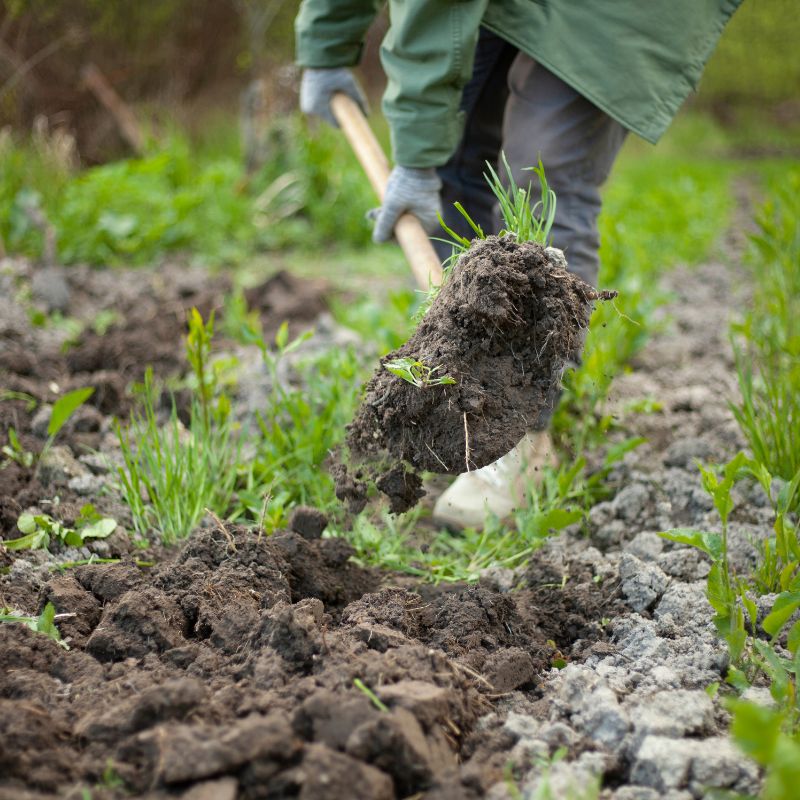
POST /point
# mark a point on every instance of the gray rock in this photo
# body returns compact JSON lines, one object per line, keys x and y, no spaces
{"x":59,"y":466}
{"x":642,"y":584}
{"x":686,"y":602}
{"x":663,"y":763}
{"x":684,"y":452}
{"x":672,"y":713}
{"x":685,"y":563}
{"x":635,"y":793}
{"x":556,"y":257}
{"x":50,"y":287}
{"x":631,"y":501}
{"x":645,"y":545}
{"x":602,"y":719}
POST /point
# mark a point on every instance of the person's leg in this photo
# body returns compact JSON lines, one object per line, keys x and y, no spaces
{"x":577,"y":142}
{"x":483,"y":103}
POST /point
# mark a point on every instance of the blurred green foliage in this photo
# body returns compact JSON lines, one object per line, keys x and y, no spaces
{"x":181,"y":198}
{"x":757,"y":61}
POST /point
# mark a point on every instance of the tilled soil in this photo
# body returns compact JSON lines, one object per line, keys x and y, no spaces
{"x":247,"y":666}
{"x":234,"y":663}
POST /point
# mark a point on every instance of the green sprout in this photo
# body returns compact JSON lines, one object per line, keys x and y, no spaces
{"x":44,"y":623}
{"x":373,"y":698}
{"x":417,"y":373}
{"x":40,"y":529}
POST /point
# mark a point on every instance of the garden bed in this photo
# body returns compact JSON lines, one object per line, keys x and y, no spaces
{"x":239,"y":664}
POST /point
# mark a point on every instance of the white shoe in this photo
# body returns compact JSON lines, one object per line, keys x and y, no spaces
{"x":498,"y":488}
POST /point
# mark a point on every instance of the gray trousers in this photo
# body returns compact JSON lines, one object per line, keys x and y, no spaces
{"x":516,"y":105}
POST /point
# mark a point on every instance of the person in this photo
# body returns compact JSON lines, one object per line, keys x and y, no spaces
{"x":560,"y":80}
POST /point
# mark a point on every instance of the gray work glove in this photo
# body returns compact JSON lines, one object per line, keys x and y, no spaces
{"x":409,"y":189}
{"x":318,"y":86}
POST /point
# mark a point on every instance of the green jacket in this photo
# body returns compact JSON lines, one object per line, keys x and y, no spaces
{"x":635,"y":59}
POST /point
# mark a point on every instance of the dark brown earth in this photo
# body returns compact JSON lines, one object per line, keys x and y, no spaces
{"x":232,"y":667}
{"x":504,"y":327}
{"x":228,"y":669}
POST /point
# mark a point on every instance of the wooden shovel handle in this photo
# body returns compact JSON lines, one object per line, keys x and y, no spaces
{"x":410,"y":234}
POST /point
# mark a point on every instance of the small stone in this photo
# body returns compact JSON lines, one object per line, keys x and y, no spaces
{"x":663,"y":763}
{"x":308,"y":522}
{"x":220,"y":789}
{"x":684,"y":452}
{"x":630,"y":502}
{"x":642,"y":584}
{"x":50,"y":288}
{"x":635,"y":793}
{"x":646,"y":545}
{"x":556,"y":257}
{"x":602,"y":719}
{"x":673,"y":713}
{"x":759,"y":695}
{"x":58,"y":466}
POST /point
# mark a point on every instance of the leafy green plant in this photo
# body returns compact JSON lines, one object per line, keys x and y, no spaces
{"x":40,"y":529}
{"x":417,"y":373}
{"x":44,"y":623}
{"x":723,"y":591}
{"x":303,"y":419}
{"x":770,"y":738}
{"x":171,"y":475}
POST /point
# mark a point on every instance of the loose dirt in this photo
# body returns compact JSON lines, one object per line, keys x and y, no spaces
{"x":239,"y":657}
{"x":228,"y":669}
{"x":504,"y":327}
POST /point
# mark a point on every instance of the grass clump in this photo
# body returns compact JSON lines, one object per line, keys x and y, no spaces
{"x":171,"y":473}
{"x":767,"y":342}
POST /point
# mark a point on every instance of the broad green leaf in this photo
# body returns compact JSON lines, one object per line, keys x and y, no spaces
{"x":65,"y":407}
{"x":26,"y":523}
{"x":755,"y":729}
{"x":558,"y":518}
{"x":784,"y":606}
{"x":99,"y":530}
{"x":709,"y":543}
{"x":717,"y":591}
{"x":282,"y":336}
{"x":32,"y":541}
{"x":793,"y":639}
{"x":72,"y":538}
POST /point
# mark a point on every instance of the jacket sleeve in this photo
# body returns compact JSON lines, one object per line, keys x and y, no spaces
{"x":330,"y":33}
{"x":428,"y":56}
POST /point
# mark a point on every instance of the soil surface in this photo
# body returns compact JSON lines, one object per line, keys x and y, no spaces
{"x":504,"y":327}
{"x":241,"y":665}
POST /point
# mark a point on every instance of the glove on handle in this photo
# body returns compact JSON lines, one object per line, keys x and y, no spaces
{"x":410,"y":234}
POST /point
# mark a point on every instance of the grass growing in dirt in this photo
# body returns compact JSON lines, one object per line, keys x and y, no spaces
{"x":766,"y":651}
{"x":767,"y":341}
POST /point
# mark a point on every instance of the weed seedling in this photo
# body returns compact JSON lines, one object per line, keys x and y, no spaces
{"x":44,"y":623}
{"x":40,"y":529}
{"x":14,"y":451}
{"x":417,"y":373}
{"x":373,"y":698}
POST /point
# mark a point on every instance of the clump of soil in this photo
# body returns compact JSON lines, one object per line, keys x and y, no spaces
{"x":232,"y":669}
{"x":504,"y":327}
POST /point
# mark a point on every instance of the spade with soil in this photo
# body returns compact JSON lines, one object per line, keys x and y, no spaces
{"x":484,"y":364}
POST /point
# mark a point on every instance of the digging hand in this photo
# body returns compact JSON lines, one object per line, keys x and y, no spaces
{"x":318,"y":86}
{"x":409,"y":189}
